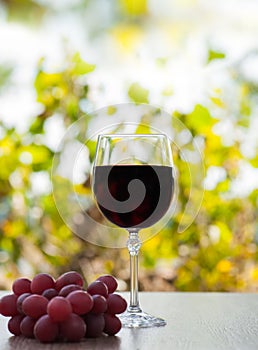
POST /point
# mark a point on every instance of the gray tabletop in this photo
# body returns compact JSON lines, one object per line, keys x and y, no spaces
{"x":195,"y":321}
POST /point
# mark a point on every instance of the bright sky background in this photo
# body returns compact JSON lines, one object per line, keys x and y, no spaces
{"x":230,"y":26}
{"x":178,"y":30}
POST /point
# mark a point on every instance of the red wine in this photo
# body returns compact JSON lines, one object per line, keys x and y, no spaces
{"x":133,"y":195}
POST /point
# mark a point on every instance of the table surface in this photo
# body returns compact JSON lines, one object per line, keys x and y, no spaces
{"x":195,"y":321}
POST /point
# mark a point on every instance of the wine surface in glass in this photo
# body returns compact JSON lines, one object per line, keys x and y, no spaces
{"x":159,"y":186}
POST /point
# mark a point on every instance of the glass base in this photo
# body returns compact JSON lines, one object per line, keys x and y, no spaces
{"x":140,"y":320}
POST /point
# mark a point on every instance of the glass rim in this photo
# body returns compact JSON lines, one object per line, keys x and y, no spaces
{"x":137,"y":135}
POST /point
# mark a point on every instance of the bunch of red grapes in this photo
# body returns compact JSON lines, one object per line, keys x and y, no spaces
{"x":62,"y":310}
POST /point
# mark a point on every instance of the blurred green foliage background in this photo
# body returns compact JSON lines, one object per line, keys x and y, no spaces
{"x":131,"y":51}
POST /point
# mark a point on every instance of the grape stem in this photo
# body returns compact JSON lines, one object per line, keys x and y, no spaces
{"x":134,"y":245}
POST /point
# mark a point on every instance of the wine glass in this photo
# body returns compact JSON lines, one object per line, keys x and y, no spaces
{"x":133,"y":185}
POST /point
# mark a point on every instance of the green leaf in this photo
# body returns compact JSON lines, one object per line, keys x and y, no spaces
{"x":37,"y":126}
{"x":51,"y":88}
{"x":143,"y":129}
{"x":111,"y":110}
{"x":46,"y":80}
{"x":72,"y":106}
{"x":254,"y":162}
{"x":218,"y":102}
{"x":215,"y":55}
{"x":138,"y":94}
{"x":135,"y":7}
{"x":199,"y":119}
{"x":91,"y":145}
{"x":5,"y":73}
{"x":26,"y":11}
{"x":81,"y":67}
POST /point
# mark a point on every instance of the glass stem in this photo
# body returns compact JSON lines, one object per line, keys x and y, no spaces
{"x":134,"y":245}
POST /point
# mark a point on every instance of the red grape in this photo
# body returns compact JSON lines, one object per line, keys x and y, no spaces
{"x":99,"y":304}
{"x":35,"y":306}
{"x":45,"y":330}
{"x":81,"y":302}
{"x":69,"y":289}
{"x":41,"y":282}
{"x":21,"y":286}
{"x":98,"y":287}
{"x":59,"y":309}
{"x":116,"y":304}
{"x":27,"y":326}
{"x":71,"y":277}
{"x":20,"y":300}
{"x":8,"y":305}
{"x":14,"y":324}
{"x":50,"y":293}
{"x":62,"y":310}
{"x":73,"y":329}
{"x":109,"y":281}
{"x":95,"y":325}
{"x":112,"y":324}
